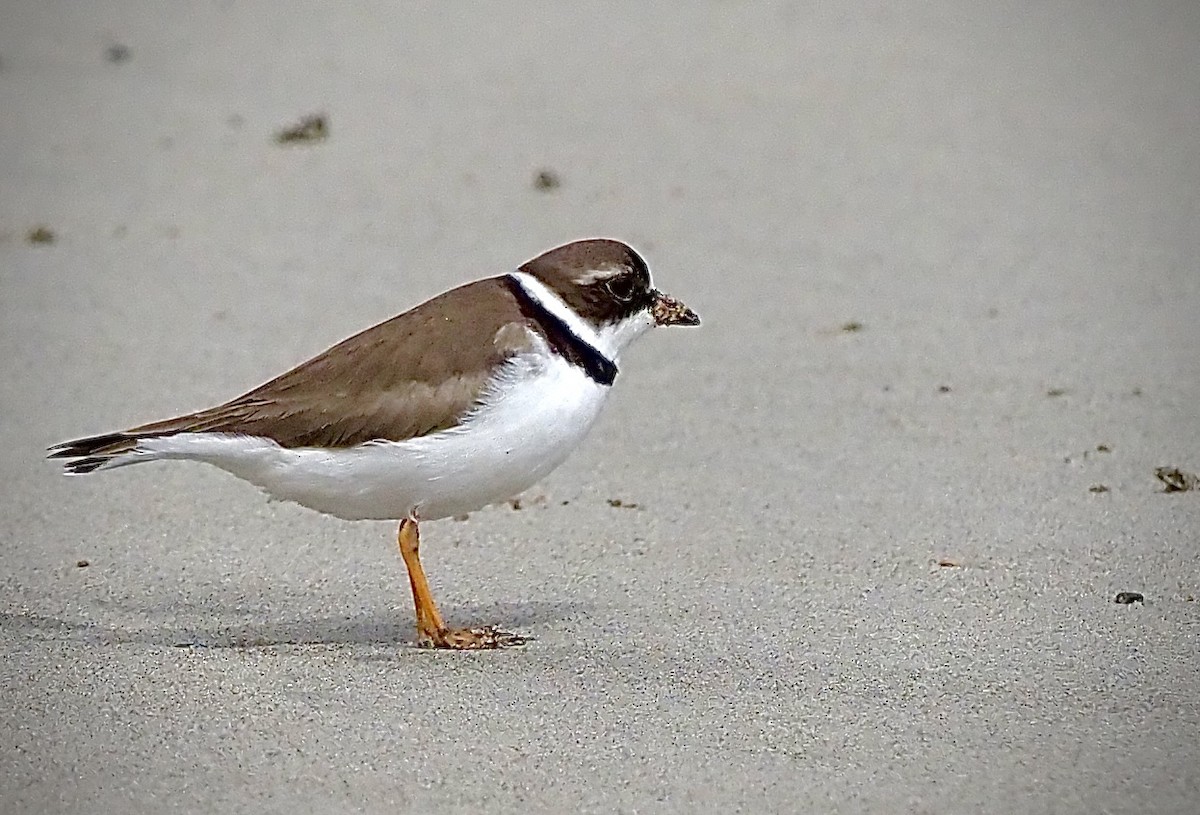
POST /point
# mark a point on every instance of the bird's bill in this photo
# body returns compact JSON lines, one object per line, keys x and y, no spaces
{"x":669,"y":311}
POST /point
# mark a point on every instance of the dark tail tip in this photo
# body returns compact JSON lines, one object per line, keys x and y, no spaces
{"x":92,"y":452}
{"x":84,"y":465}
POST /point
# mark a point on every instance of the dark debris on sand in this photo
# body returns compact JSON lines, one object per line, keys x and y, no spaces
{"x":40,"y":234}
{"x":545,"y":180}
{"x":1176,"y":480}
{"x":312,"y":128}
{"x":117,"y":53}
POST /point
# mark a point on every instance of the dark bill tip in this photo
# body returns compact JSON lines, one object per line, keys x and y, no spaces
{"x":669,"y":311}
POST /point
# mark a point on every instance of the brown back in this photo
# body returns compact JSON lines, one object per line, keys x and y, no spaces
{"x":414,"y":374}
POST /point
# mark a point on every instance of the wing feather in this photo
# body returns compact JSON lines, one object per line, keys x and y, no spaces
{"x":415,"y":374}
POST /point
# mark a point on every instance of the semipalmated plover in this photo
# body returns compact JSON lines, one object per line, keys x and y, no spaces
{"x":460,"y":402}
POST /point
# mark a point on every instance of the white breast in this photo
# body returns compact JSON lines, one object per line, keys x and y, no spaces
{"x":534,"y":413}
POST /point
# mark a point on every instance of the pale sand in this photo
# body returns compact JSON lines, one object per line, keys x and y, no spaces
{"x":1008,"y":201}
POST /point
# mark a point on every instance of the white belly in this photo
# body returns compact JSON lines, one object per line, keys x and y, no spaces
{"x":533,"y":415}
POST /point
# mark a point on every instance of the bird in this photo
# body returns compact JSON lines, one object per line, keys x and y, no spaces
{"x":465,"y":400}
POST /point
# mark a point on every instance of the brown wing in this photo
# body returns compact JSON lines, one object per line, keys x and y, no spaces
{"x":414,"y":374}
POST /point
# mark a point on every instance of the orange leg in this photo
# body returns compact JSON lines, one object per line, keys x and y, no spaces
{"x":431,"y":630}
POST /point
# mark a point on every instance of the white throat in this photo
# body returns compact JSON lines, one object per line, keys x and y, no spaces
{"x":616,"y":336}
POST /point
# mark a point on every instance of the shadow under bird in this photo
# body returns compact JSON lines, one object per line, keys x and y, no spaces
{"x":465,"y":400}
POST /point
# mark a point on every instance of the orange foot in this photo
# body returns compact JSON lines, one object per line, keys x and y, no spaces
{"x":431,"y":631}
{"x":470,"y":639}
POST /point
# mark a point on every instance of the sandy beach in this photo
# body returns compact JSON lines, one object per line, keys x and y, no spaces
{"x":851,"y":547}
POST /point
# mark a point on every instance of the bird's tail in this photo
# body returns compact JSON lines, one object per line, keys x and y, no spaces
{"x":104,"y":452}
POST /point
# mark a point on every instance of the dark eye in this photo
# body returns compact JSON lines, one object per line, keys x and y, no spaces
{"x":621,"y":288}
